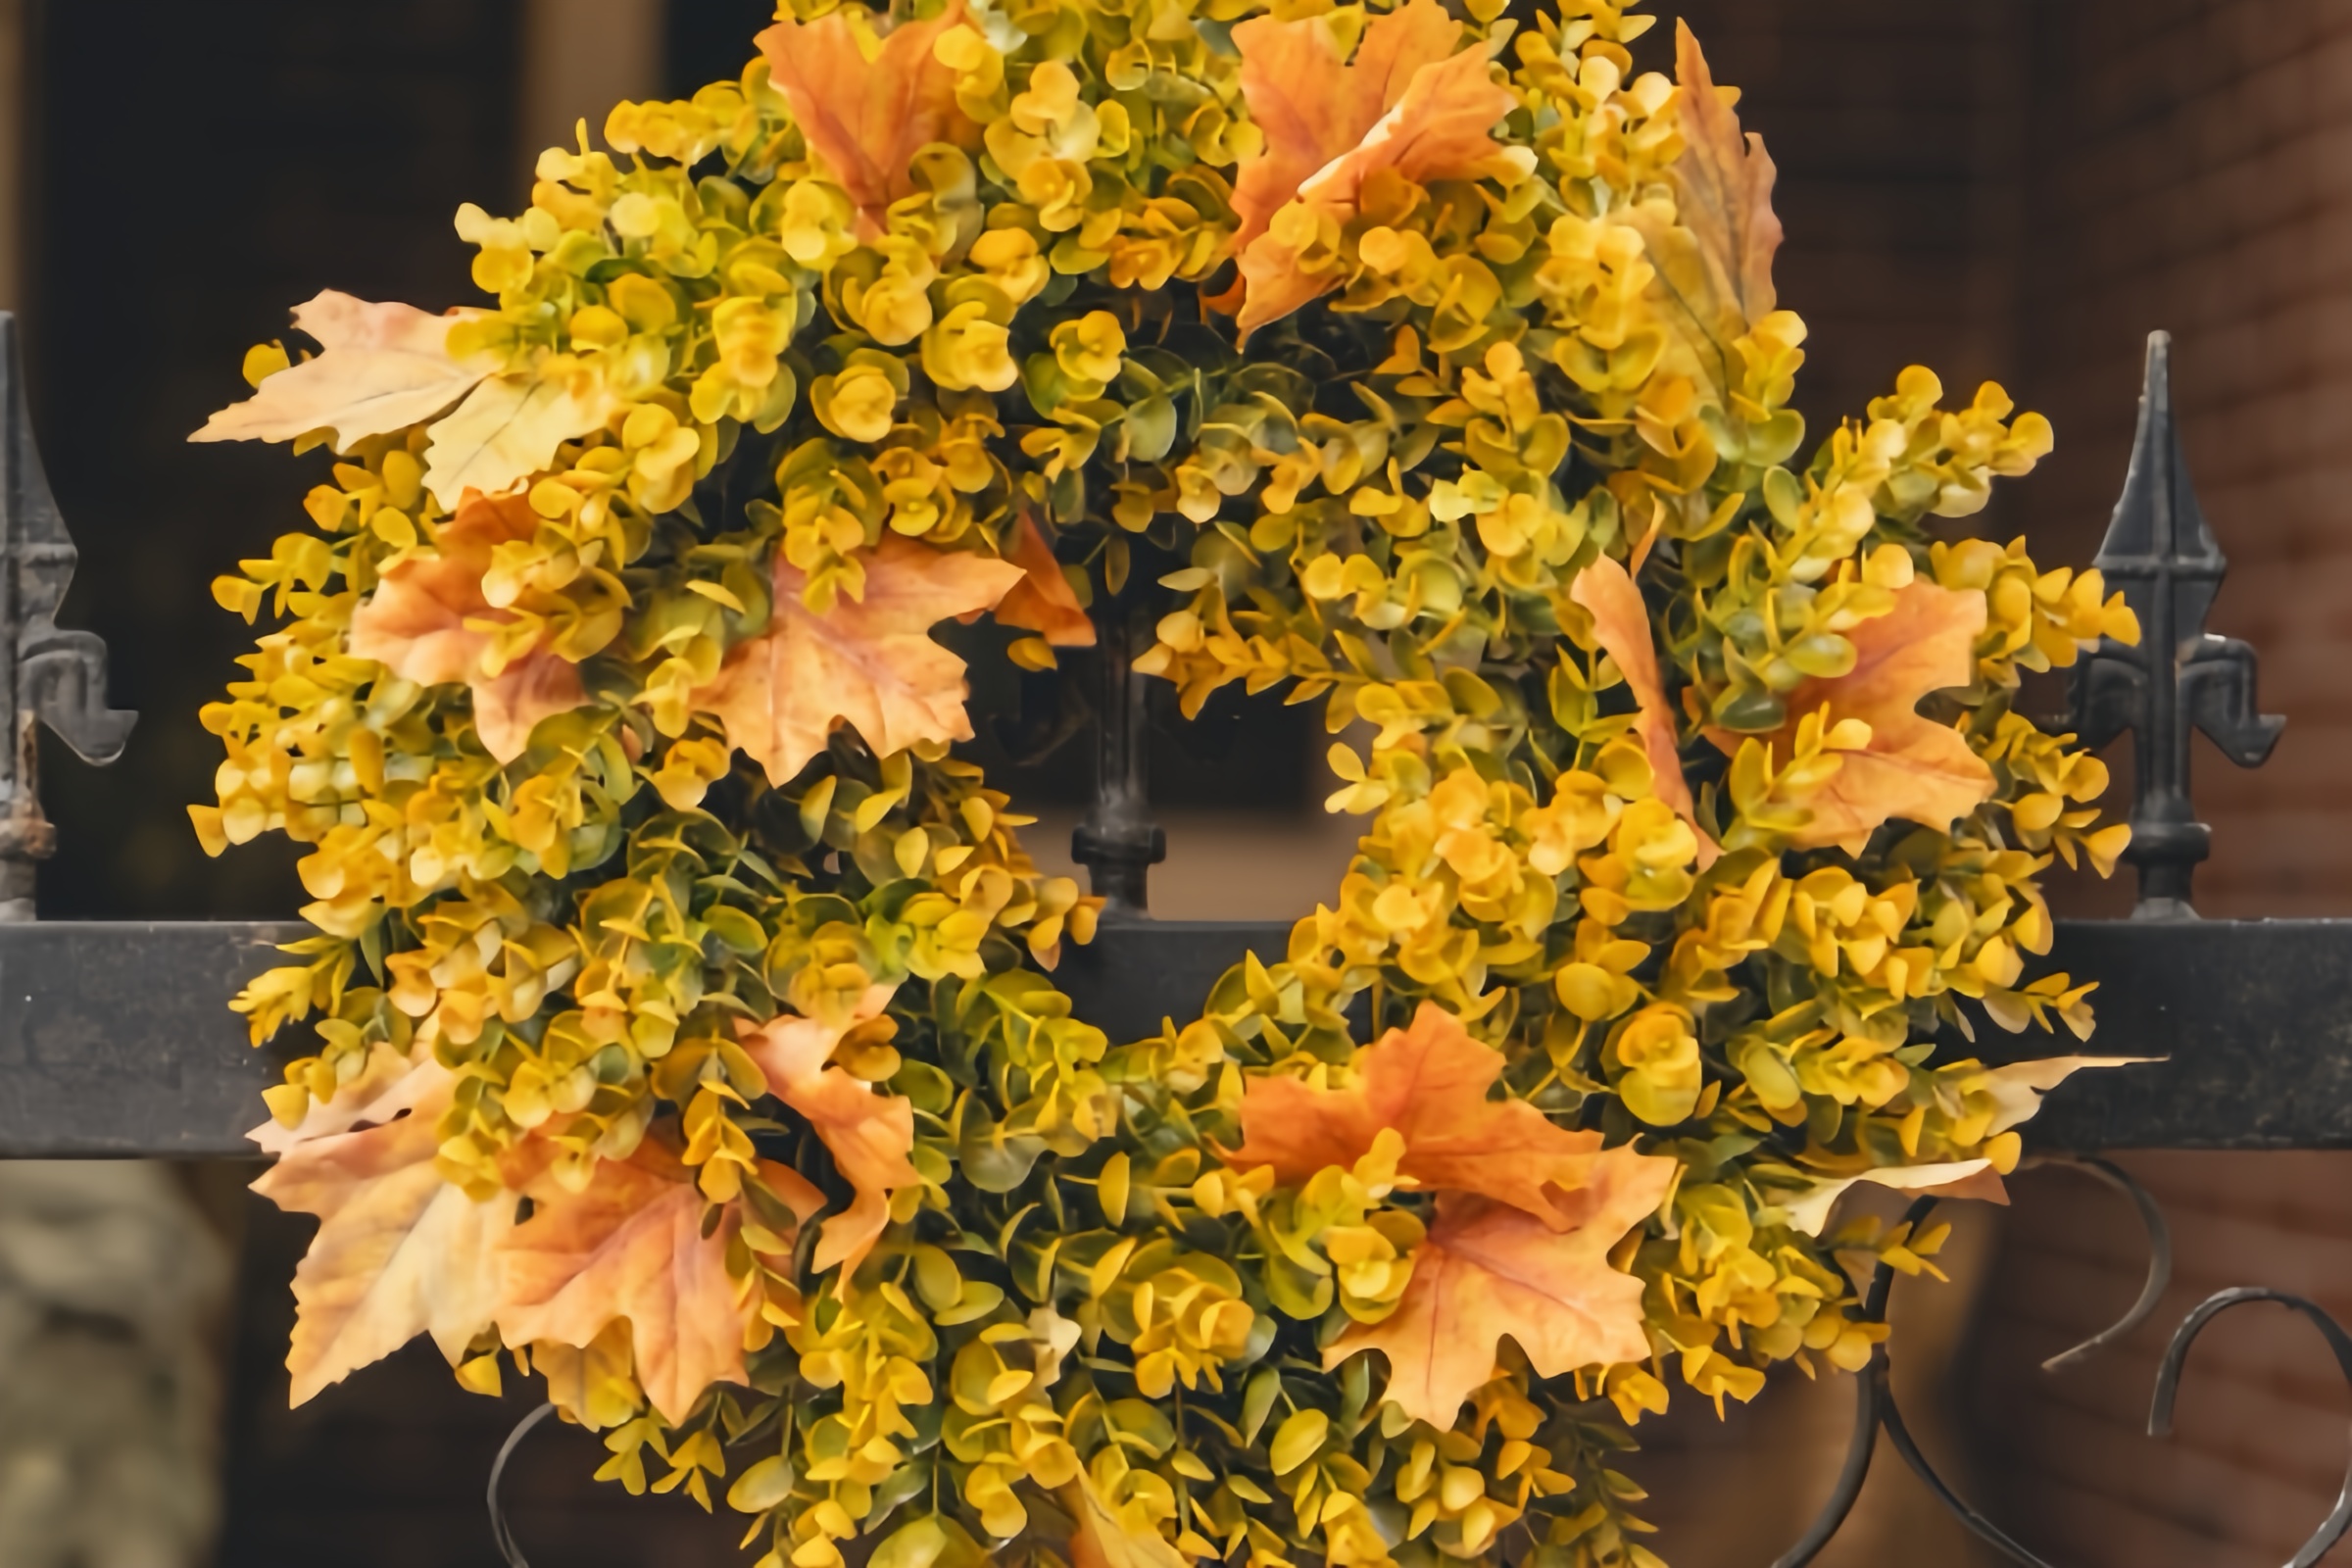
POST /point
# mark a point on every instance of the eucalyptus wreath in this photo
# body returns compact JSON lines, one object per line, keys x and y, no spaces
{"x":686,"y":1035}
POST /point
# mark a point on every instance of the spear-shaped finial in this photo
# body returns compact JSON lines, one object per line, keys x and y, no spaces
{"x":53,"y":676}
{"x":2160,"y":552}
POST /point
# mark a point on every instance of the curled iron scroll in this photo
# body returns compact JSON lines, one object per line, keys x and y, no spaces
{"x":1874,"y":1407}
{"x":501,"y":1534}
{"x":2168,"y":1383}
{"x":2159,"y":1258}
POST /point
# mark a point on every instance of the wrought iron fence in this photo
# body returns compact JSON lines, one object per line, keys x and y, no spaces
{"x":114,"y":1040}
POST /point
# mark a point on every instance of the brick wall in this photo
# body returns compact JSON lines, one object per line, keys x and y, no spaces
{"x":2191,"y":169}
{"x":2192,"y":164}
{"x":2258,"y":1451}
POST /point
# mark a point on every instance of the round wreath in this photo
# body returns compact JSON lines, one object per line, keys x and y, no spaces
{"x":686,"y":1029}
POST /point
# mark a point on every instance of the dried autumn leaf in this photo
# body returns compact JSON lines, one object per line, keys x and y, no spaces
{"x":1315,"y":108}
{"x":1043,"y":600}
{"x":422,"y":624}
{"x":869,"y":1134}
{"x":1723,"y":192}
{"x":1621,"y":624}
{"x":389,"y":1085}
{"x":869,"y":662}
{"x":1430,"y":1085}
{"x":1407,"y":104}
{"x":399,"y":1251}
{"x":1809,"y":1210}
{"x":1488,"y":1269}
{"x":509,"y":429}
{"x":866,"y":106}
{"x":1712,"y":245}
{"x":630,"y":1246}
{"x":382,"y":368}
{"x":1913,"y":767}
{"x":2016,"y":1088}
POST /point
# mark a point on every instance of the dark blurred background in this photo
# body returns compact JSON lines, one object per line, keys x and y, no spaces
{"x":2009,"y":188}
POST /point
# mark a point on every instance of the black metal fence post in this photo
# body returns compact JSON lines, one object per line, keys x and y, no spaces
{"x":2180,"y":678}
{"x":1118,"y":842}
{"x":46,"y":675}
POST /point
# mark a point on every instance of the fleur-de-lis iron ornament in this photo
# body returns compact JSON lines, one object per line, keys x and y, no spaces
{"x":2180,"y":678}
{"x":47,"y":675}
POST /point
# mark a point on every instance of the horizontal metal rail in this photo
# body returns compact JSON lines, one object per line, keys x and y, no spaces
{"x":116,"y":1040}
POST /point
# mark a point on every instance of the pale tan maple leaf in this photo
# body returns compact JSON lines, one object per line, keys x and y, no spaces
{"x":1913,"y":767}
{"x":1809,"y":1209}
{"x":423,"y":623}
{"x":399,"y":1251}
{"x":866,"y":112}
{"x":382,"y":367}
{"x":509,"y":427}
{"x":1621,"y":624}
{"x":632,"y":1244}
{"x":869,"y":1134}
{"x":389,"y":1085}
{"x":1407,"y":104}
{"x":1429,"y":1084}
{"x":869,"y":663}
{"x":2016,"y":1088}
{"x":1043,"y":600}
{"x":1488,"y":1269}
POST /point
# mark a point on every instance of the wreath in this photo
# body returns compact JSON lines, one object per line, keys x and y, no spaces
{"x":686,"y":1034}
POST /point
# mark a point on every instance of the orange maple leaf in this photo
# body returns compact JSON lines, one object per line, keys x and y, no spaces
{"x":1723,"y":192}
{"x":426,"y":623}
{"x":382,"y":368}
{"x":1621,"y":624}
{"x":869,"y":662}
{"x":865,"y":113}
{"x":632,"y":1244}
{"x":1713,"y":244}
{"x":1488,"y":1269}
{"x":1409,"y":102}
{"x":1430,"y":1083}
{"x":1313,"y":107}
{"x":1043,"y":600}
{"x":869,"y":1134}
{"x":1913,"y":767}
{"x":399,"y":1251}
